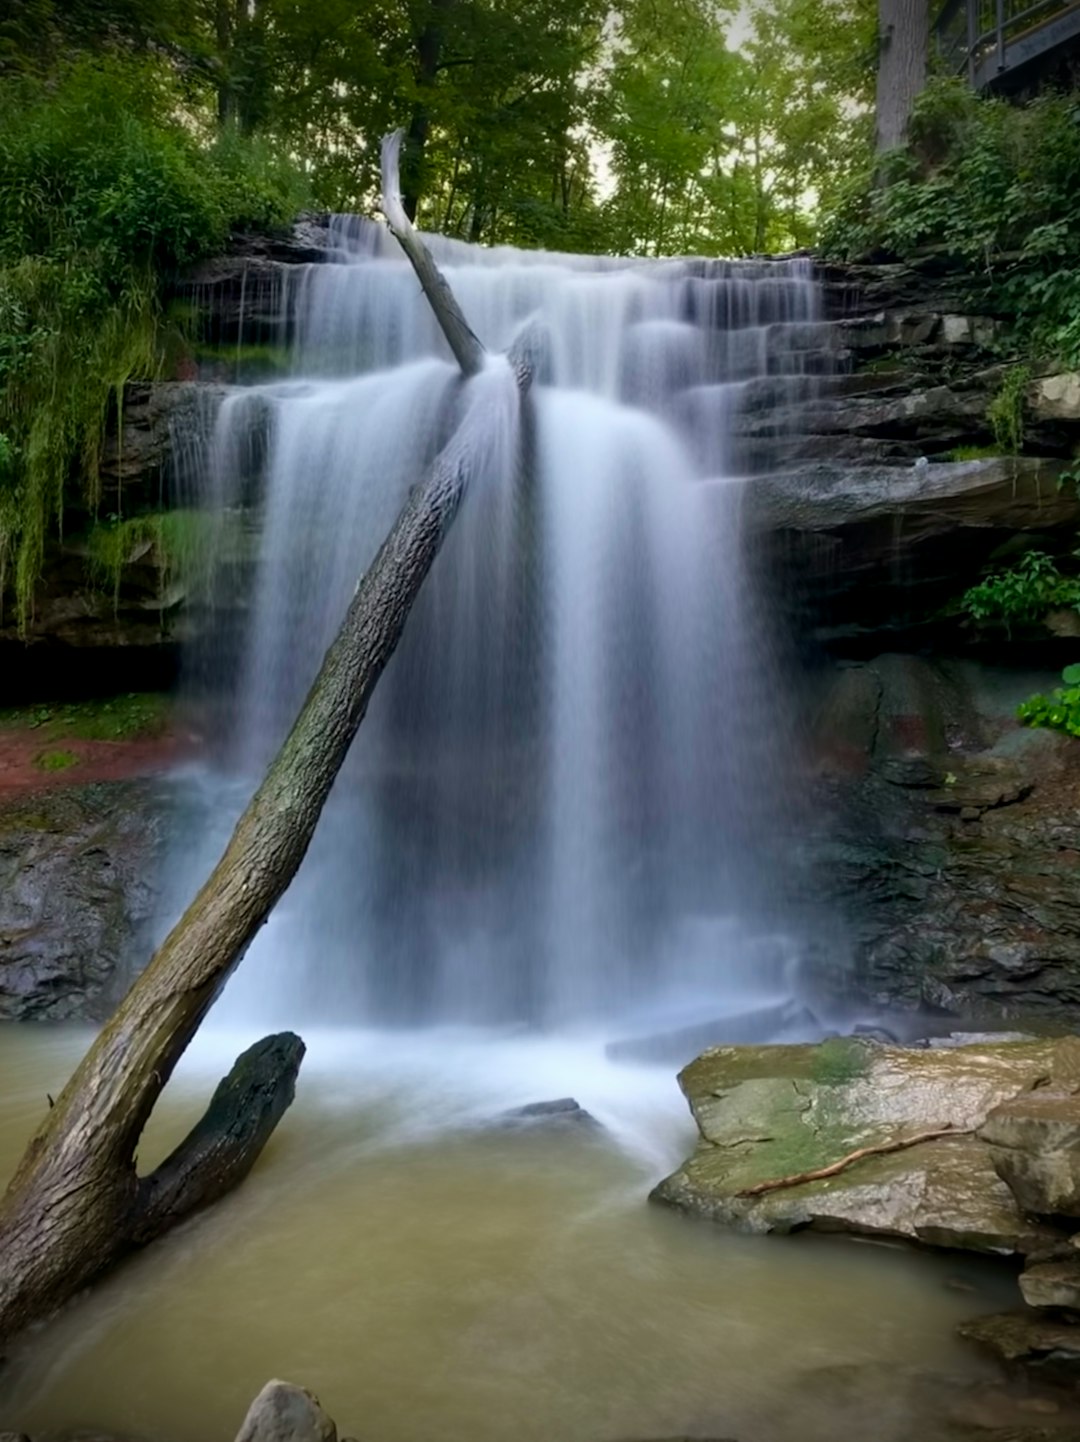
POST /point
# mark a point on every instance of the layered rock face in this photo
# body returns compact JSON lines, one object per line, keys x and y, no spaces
{"x":947,"y":837}
{"x":79,"y":886}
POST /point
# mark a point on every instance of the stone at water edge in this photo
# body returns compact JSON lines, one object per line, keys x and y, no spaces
{"x":285,"y":1413}
{"x":1028,"y":1339}
{"x":1052,"y":1284}
{"x":768,"y":1112}
{"x":1034,"y":1143}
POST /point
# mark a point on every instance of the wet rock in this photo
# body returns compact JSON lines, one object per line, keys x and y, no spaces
{"x":1034,"y":1143}
{"x":675,"y":1048}
{"x":1052,"y":1284}
{"x":561,"y":1112}
{"x":1028,"y":1339}
{"x":284,"y":1413}
{"x":766,"y":1113}
{"x":78,"y":888}
{"x":977,"y":1038}
{"x":1057,"y":397}
{"x":977,"y":919}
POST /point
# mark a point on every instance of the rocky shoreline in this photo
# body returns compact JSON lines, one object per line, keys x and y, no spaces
{"x":963,"y":1143}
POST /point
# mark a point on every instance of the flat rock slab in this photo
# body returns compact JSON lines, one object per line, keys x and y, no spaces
{"x":1052,"y":1284}
{"x":765,"y":1113}
{"x":1029,"y":1339}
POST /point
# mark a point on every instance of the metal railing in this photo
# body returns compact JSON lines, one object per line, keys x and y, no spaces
{"x":986,"y":39}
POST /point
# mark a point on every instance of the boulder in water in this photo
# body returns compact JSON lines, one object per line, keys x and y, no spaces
{"x":1028,"y":1339}
{"x":772,"y":1113}
{"x":1052,"y":1284}
{"x":561,"y":1112}
{"x":284,"y":1413}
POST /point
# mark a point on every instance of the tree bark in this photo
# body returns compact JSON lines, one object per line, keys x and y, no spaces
{"x":903,"y":57}
{"x":76,"y":1204}
{"x":429,"y":44}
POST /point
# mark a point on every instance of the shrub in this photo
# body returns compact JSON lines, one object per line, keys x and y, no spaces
{"x":1024,"y":592}
{"x":1006,"y":411}
{"x":995,"y":188}
{"x":1060,"y":711}
{"x":107,"y":186}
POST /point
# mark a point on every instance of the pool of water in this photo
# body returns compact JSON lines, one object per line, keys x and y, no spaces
{"x":430,"y":1276}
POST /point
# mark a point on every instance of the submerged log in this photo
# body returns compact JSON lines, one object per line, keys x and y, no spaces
{"x":76,"y":1204}
{"x":225,"y":1144}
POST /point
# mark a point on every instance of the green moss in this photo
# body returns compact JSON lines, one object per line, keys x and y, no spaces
{"x":246,"y":362}
{"x":972,"y":453}
{"x":838,"y":1060}
{"x":178,"y":543}
{"x":115,"y":718}
{"x":58,"y":760}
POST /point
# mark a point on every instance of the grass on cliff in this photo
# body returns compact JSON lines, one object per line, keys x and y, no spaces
{"x":137,"y":715}
{"x":111,"y":180}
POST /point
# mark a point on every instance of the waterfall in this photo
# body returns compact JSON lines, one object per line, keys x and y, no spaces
{"x":564,"y":805}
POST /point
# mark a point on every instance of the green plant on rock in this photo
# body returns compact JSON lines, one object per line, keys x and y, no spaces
{"x":179,"y":544}
{"x":1006,"y":411}
{"x":58,"y":760}
{"x":1060,"y":711}
{"x":972,"y":453}
{"x":1024,"y":592}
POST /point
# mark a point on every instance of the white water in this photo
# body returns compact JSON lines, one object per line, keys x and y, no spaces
{"x":563,"y":807}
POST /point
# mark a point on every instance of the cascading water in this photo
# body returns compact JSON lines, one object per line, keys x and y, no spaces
{"x":561,"y":805}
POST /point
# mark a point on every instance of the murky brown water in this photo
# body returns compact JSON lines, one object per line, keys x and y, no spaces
{"x":430,"y":1280}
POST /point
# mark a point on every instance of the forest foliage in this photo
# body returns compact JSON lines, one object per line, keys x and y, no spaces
{"x":993,"y":189}
{"x":136,"y":134}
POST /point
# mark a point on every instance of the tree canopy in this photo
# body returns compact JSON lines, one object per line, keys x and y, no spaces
{"x":644,"y":126}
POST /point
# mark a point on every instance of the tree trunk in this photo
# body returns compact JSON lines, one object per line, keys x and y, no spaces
{"x":429,"y":44}
{"x":903,"y":56}
{"x":76,"y":1203}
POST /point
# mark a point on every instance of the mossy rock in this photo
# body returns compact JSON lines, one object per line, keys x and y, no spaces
{"x":770,"y":1112}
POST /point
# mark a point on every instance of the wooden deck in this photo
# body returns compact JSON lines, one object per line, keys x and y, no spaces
{"x":991,"y":41}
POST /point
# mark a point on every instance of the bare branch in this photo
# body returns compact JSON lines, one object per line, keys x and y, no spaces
{"x":468,"y":351}
{"x":820,"y":1173}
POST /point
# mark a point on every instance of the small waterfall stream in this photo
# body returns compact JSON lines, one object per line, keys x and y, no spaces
{"x":562,"y":805}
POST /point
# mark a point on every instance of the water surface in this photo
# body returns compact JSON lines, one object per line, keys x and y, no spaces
{"x":433,"y":1278}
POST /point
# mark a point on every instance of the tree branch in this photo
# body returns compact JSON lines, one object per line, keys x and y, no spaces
{"x":225,"y":1143}
{"x":468,"y":351}
{"x":820,"y":1173}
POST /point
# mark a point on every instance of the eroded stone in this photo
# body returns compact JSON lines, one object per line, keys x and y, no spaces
{"x":1052,"y":1284}
{"x":1034,"y":1143}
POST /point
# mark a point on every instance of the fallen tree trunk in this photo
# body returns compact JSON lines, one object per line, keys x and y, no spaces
{"x":76,"y":1203}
